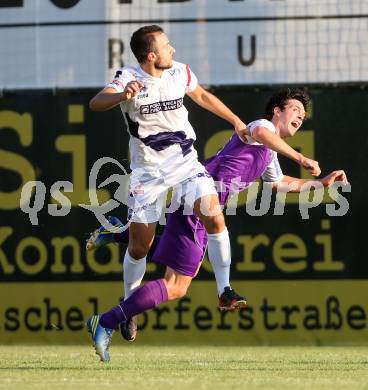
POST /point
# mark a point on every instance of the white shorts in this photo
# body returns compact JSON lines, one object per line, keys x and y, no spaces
{"x":148,"y":196}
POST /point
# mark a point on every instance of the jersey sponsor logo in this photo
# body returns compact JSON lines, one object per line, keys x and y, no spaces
{"x":167,"y":105}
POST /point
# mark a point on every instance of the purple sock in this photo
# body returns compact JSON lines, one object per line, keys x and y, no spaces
{"x":145,"y":298}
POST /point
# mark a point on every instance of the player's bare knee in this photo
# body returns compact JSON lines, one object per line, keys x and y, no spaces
{"x":138,"y":251}
{"x":215,"y":224}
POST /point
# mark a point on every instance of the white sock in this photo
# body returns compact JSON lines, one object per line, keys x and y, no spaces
{"x":219,"y":254}
{"x":134,"y":271}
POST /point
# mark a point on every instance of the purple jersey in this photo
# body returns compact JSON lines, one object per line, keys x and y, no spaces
{"x":184,"y":241}
{"x":237,"y":166}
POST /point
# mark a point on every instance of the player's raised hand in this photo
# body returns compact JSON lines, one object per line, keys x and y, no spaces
{"x":311,"y":166}
{"x":132,"y":89}
{"x":334,"y":176}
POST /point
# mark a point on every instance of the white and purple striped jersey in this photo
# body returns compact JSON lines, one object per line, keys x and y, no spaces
{"x":160,"y":132}
{"x":273,"y":171}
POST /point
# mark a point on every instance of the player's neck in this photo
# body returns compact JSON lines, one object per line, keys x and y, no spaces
{"x":151,"y":69}
{"x":277,"y":125}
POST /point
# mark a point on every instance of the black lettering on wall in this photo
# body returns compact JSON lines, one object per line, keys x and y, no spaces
{"x":94,"y":302}
{"x":12,"y":321}
{"x":289,"y":310}
{"x":266,"y":309}
{"x":53,"y":316}
{"x":143,"y":321}
{"x":116,"y":50}
{"x":32,"y":318}
{"x":203,"y":318}
{"x":180,"y":309}
{"x":312,"y":319}
{"x":65,"y":3}
{"x":222,"y":324}
{"x":333,"y":314}
{"x":74,"y":319}
{"x":159,"y":312}
{"x":253,"y":47}
{"x":246,"y":315}
{"x":356,"y":317}
{"x":11,"y":3}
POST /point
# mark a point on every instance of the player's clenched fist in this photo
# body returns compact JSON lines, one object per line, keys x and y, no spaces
{"x":311,"y":166}
{"x":132,"y":89}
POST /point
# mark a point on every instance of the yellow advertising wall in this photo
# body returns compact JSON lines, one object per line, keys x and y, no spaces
{"x":279,"y":312}
{"x":308,"y":277}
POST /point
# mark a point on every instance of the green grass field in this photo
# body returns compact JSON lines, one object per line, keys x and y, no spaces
{"x":184,"y":367}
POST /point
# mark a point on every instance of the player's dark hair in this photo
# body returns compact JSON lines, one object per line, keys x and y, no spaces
{"x":142,"y":41}
{"x":280,"y":99}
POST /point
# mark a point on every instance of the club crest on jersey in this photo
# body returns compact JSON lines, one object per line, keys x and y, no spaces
{"x":173,"y":72}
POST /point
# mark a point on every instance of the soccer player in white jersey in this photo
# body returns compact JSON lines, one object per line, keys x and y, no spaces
{"x":162,"y":156}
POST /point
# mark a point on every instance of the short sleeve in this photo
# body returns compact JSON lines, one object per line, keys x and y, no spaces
{"x":120,"y":80}
{"x":261,"y":123}
{"x":191,"y":79}
{"x":273,"y":172}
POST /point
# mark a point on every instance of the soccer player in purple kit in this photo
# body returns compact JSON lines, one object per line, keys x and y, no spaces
{"x":185,"y":235}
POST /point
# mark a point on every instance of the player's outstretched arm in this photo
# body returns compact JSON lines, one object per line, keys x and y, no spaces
{"x":274,"y":142}
{"x":110,"y":97}
{"x":294,"y":184}
{"x":211,"y":103}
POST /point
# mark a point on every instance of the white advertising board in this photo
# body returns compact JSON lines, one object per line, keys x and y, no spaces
{"x":77,"y":44}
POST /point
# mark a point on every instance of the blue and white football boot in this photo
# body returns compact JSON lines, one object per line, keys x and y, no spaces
{"x":101,"y":337}
{"x":104,"y":234}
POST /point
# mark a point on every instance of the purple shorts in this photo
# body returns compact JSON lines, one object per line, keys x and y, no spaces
{"x":182,"y":244}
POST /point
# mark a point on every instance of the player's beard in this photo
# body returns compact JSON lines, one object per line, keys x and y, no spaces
{"x":159,"y":65}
